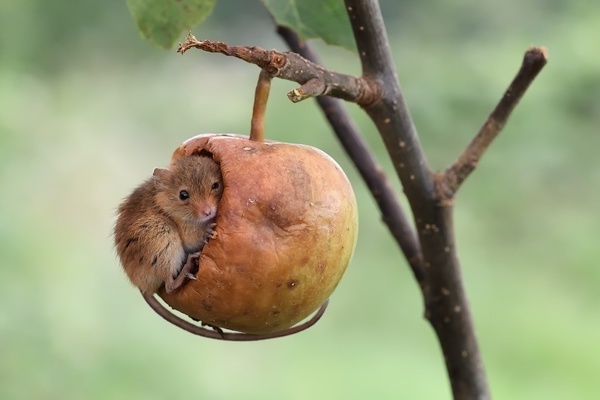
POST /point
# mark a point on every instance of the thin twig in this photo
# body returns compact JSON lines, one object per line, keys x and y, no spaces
{"x":355,"y":145}
{"x":534,"y":60}
{"x":315,"y":80}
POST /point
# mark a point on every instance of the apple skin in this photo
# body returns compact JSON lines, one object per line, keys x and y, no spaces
{"x":286,"y":230}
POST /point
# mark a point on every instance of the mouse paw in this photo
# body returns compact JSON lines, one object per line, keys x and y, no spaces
{"x":190,"y":276}
{"x":210,"y":232}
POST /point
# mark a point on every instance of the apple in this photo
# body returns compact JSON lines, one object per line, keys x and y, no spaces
{"x":286,"y":230}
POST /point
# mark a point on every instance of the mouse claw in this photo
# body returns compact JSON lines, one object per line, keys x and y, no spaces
{"x":190,"y":276}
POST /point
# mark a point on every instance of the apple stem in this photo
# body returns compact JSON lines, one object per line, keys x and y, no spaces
{"x":261,"y":95}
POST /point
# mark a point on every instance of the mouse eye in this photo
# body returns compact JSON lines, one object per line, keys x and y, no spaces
{"x":215,"y":186}
{"x":184,"y":195}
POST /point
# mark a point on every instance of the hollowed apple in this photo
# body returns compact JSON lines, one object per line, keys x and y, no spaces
{"x":286,"y":230}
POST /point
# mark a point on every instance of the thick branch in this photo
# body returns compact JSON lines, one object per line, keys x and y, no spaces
{"x":446,"y":305}
{"x":390,"y":113}
{"x":314,"y":79}
{"x":534,"y":60}
{"x":358,"y":151}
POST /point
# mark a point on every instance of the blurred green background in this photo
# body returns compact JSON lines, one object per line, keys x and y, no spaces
{"x":88,"y":109}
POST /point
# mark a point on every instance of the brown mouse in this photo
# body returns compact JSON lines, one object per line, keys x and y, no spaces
{"x":163,"y":225}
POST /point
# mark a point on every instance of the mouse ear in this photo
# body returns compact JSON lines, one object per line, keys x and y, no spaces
{"x":160,"y":172}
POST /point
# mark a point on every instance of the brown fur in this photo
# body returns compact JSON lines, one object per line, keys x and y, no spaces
{"x":157,"y":234}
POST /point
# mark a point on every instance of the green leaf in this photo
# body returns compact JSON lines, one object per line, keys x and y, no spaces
{"x":325,"y":19}
{"x":162,"y":21}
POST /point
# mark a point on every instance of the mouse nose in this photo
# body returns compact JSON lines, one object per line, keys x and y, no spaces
{"x":205,"y":213}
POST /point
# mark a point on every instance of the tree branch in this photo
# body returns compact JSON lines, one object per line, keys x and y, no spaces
{"x":446,"y":305}
{"x":355,"y":145}
{"x":314,"y":79}
{"x":390,"y":113}
{"x":534,"y":60}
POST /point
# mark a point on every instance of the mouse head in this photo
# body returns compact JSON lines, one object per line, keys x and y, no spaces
{"x":190,"y":189}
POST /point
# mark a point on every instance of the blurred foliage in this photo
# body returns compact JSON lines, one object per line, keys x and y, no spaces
{"x":162,"y":21}
{"x":323,"y":19}
{"x":89,"y":109}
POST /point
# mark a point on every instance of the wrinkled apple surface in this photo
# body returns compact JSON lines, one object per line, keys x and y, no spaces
{"x":286,"y":230}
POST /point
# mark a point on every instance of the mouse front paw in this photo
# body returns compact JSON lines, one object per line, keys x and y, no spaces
{"x":210,"y":232}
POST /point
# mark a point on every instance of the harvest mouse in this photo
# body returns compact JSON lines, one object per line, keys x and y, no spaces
{"x":166,"y":221}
